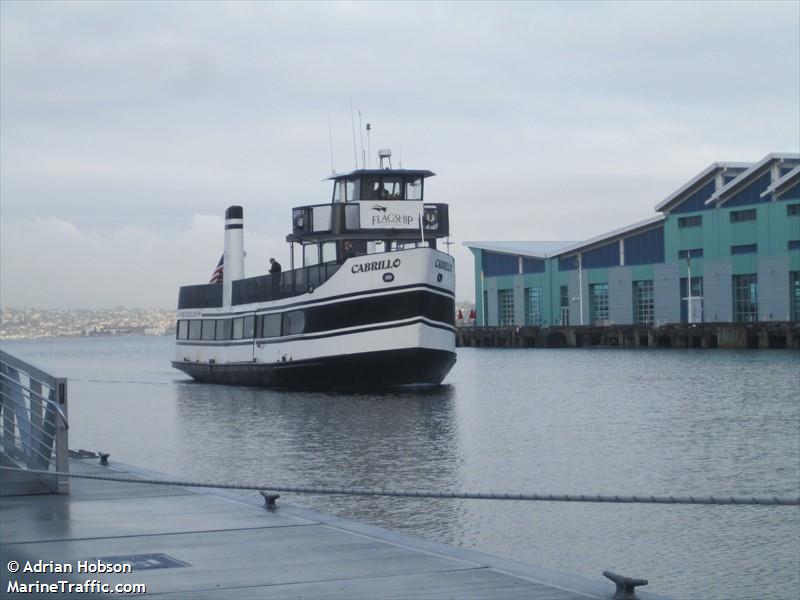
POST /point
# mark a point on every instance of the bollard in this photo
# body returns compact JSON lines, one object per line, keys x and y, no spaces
{"x":269,"y":499}
{"x":103,"y":457}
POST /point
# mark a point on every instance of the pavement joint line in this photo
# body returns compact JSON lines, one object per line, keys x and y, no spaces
{"x":144,"y":535}
{"x":313,"y":581}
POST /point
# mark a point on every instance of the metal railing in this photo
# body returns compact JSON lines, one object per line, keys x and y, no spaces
{"x":33,"y":414}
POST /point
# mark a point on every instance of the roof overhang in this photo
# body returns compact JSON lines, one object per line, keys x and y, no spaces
{"x":788,"y":180}
{"x":622,"y":232}
{"x":720,"y":196}
{"x":712,"y":170}
{"x":381,"y":172}
{"x":542,"y":249}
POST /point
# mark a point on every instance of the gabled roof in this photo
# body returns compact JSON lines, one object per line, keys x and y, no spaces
{"x":721,"y":194}
{"x":530,"y":249}
{"x":712,"y":170}
{"x":616,"y":233}
{"x":784,"y":182}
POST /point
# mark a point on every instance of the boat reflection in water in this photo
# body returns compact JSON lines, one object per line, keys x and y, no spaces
{"x":391,"y":439}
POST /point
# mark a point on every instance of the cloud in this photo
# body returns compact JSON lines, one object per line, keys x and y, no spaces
{"x":51,"y":263}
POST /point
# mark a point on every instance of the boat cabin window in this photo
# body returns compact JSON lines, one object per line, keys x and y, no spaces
{"x":382,"y":188}
{"x":328,"y":252}
{"x":321,"y":218}
{"x":249,"y":326}
{"x":209,"y":329}
{"x":294,"y":322}
{"x":183,"y":330}
{"x":344,"y":190}
{"x":195,"y":326}
{"x":224,"y":329}
{"x":238,"y":328}
{"x":414,"y":189}
{"x":271,"y":326}
{"x":310,"y":255}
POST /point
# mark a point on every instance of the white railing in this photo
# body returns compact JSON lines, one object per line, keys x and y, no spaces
{"x":33,"y":414}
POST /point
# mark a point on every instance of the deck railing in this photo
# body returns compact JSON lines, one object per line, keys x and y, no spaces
{"x":33,"y":413}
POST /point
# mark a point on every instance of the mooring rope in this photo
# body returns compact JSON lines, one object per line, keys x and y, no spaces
{"x":460,"y":495}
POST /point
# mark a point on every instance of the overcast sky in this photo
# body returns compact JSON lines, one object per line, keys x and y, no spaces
{"x":126,"y":129}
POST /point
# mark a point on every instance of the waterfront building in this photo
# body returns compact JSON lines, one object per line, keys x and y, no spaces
{"x":722,"y":248}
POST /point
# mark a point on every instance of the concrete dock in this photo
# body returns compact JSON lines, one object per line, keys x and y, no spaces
{"x":201,"y":543}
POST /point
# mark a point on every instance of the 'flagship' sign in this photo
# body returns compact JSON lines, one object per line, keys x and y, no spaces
{"x":393,"y":214}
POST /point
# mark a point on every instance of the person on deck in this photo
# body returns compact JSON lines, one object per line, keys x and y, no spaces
{"x":275,"y":271}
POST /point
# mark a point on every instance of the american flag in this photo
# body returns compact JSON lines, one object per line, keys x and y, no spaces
{"x":216,"y":276}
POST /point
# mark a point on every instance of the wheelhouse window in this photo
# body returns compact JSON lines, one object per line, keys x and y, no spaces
{"x":382,"y":188}
{"x":414,"y":189}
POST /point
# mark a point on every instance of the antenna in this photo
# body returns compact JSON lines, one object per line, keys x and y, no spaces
{"x":330,"y":140}
{"x":361,"y":130}
{"x":369,"y":150}
{"x":353,"y":126}
{"x":400,"y":161}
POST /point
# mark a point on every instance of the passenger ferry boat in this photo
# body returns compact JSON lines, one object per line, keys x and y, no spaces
{"x":370,"y":304}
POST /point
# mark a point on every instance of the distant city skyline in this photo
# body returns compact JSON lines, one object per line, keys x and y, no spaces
{"x":127,"y":129}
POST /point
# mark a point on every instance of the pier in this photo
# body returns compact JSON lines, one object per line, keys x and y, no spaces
{"x":699,"y":335}
{"x":196,"y":543}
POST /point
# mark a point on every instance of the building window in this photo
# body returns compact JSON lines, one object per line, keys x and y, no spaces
{"x":693,"y":253}
{"x":745,"y":297}
{"x":794,"y":287}
{"x":695,"y":221}
{"x":643,"y":302}
{"x":485,"y":307}
{"x":505,"y":307}
{"x":533,"y":306}
{"x":738,"y":216}
{"x":744,"y":249}
{"x":598,"y":303}
{"x":793,"y":244}
{"x":696,"y":300}
{"x":564,"y":305}
{"x":793,"y":210}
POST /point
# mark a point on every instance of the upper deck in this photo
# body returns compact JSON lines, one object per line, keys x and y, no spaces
{"x":373,"y":204}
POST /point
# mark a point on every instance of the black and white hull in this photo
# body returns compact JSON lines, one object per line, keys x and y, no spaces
{"x":380,"y":320}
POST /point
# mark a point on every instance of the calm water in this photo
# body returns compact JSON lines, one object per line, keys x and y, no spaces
{"x":561,"y":421}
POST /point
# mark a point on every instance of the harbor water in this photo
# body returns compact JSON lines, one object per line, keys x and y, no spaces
{"x":572,"y":421}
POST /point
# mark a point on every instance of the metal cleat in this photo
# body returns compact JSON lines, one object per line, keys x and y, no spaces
{"x":625,"y":585}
